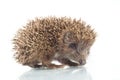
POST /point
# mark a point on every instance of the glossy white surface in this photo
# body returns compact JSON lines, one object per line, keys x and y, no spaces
{"x":104,"y":60}
{"x":56,"y":74}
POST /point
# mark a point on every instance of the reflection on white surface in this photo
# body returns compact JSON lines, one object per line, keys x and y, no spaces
{"x":77,"y":73}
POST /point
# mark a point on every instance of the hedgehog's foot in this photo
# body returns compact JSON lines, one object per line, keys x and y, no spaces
{"x":52,"y":66}
{"x":34,"y":65}
{"x":67,"y":62}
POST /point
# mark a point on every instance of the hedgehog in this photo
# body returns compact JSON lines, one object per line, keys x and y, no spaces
{"x":45,"y":39}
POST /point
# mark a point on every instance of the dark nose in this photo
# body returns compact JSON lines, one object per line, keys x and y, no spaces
{"x":82,"y":62}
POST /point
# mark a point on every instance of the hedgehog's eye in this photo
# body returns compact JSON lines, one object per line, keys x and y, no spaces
{"x":73,"y":45}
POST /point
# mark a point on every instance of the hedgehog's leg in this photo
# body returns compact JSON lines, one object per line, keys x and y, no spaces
{"x":54,"y":66}
{"x":67,"y":62}
{"x":51,"y":65}
{"x":34,"y":64}
{"x":47,"y":59}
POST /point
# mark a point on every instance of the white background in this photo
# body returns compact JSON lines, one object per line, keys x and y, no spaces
{"x":103,"y":15}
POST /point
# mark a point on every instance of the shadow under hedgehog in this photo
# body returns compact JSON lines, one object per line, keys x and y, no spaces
{"x":46,"y":39}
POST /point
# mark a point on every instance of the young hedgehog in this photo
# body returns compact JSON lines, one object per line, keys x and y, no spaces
{"x":51,"y":38}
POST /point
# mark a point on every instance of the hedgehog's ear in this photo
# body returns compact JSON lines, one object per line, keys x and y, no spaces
{"x":68,"y":37}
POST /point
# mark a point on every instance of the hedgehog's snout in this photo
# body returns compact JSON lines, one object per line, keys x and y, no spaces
{"x":82,"y":62}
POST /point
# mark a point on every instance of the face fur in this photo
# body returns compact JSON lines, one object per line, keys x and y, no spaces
{"x":76,"y":49}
